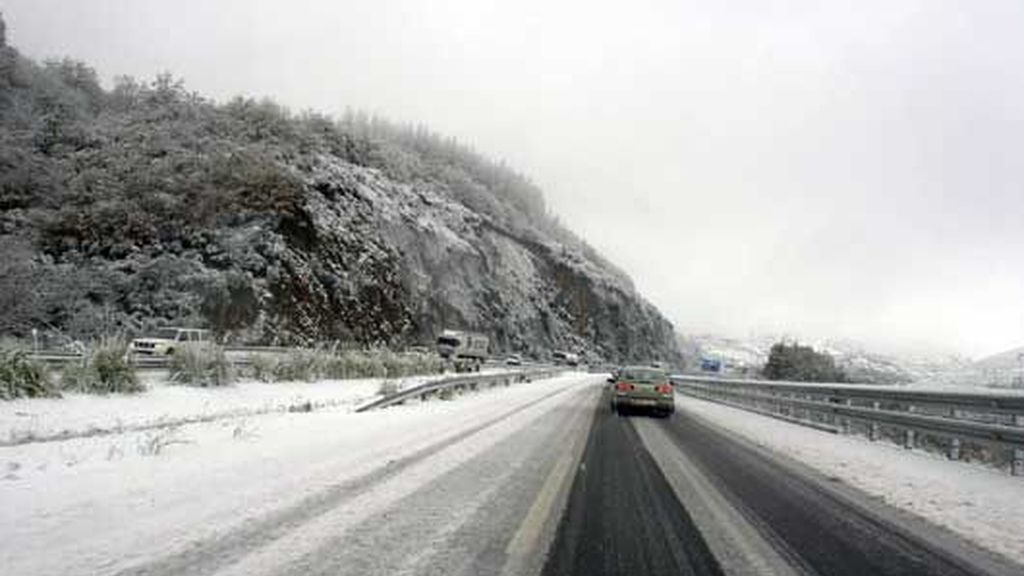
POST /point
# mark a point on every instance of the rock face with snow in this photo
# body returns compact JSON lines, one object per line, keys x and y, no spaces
{"x":147,"y":205}
{"x":379,"y":258}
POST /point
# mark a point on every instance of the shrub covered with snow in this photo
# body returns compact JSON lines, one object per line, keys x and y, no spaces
{"x":201,"y":364}
{"x":327,"y":363}
{"x":103,"y":369}
{"x":21,"y":377}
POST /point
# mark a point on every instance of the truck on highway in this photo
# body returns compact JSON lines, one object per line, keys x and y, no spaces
{"x":466,"y":351}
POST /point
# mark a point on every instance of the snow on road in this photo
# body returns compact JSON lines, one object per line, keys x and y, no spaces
{"x":983,"y":505}
{"x":103,"y":504}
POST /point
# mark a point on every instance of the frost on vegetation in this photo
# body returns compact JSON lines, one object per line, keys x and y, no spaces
{"x":201,"y":364}
{"x":310,"y":365}
{"x":244,"y":430}
{"x":103,"y":369}
{"x":153,"y":443}
{"x":389,"y":388}
{"x":21,"y":377}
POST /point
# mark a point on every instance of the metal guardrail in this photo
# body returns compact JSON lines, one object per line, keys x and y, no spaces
{"x":462,"y":382}
{"x":986,"y":418}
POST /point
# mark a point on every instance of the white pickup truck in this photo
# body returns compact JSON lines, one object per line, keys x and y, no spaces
{"x":166,"y":340}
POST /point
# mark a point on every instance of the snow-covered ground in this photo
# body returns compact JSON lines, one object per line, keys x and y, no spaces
{"x":100,"y":504}
{"x":164,"y":405}
{"x":983,"y":505}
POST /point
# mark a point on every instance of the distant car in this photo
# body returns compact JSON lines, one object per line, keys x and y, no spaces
{"x":565,"y":358}
{"x":710,"y":365}
{"x":514,"y":360}
{"x":165,"y":341}
{"x":642,"y":388}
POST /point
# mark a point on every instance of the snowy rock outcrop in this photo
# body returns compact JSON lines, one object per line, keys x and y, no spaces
{"x":381,"y":259}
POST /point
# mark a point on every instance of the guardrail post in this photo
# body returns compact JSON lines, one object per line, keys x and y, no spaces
{"x":908,"y":434}
{"x":1018,"y":462}
{"x":908,"y":438}
{"x":954,"y":449}
{"x":845,"y":419}
{"x":873,"y":430}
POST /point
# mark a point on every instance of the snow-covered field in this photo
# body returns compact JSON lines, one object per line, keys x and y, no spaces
{"x":983,"y":505}
{"x":162,"y":405}
{"x":103,"y":503}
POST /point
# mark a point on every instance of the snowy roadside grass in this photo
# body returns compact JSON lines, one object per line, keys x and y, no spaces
{"x":981,"y":504}
{"x":163,"y":405}
{"x":97,"y":505}
{"x":21,"y":377}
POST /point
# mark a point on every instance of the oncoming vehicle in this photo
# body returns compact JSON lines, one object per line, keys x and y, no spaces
{"x":166,"y":340}
{"x":514,"y":360}
{"x":467,"y":350}
{"x":565,"y":358}
{"x":642,"y":388}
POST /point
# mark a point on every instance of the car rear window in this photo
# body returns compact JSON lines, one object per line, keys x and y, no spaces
{"x":643,"y":375}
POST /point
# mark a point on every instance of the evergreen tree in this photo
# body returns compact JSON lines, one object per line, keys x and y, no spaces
{"x":801,"y":364}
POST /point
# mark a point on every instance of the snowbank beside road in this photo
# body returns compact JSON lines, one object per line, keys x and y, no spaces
{"x":97,"y":505}
{"x":980,"y":504}
{"x":78,"y":415}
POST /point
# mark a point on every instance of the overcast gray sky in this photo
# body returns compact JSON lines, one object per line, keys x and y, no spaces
{"x":848,"y":169}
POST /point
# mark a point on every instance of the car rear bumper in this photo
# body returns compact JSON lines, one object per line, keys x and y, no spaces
{"x":660,"y":403}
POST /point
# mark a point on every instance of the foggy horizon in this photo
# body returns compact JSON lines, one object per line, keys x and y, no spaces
{"x":818,"y":172}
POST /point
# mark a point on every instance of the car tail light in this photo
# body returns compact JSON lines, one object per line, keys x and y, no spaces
{"x":664,"y":389}
{"x":623,"y":386}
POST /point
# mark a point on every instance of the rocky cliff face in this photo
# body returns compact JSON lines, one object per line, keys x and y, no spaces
{"x":147,"y":205}
{"x":376,"y":259}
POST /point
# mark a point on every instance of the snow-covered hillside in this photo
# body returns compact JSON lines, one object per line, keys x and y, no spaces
{"x":1003,"y":370}
{"x":147,"y":205}
{"x":748,"y":355}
